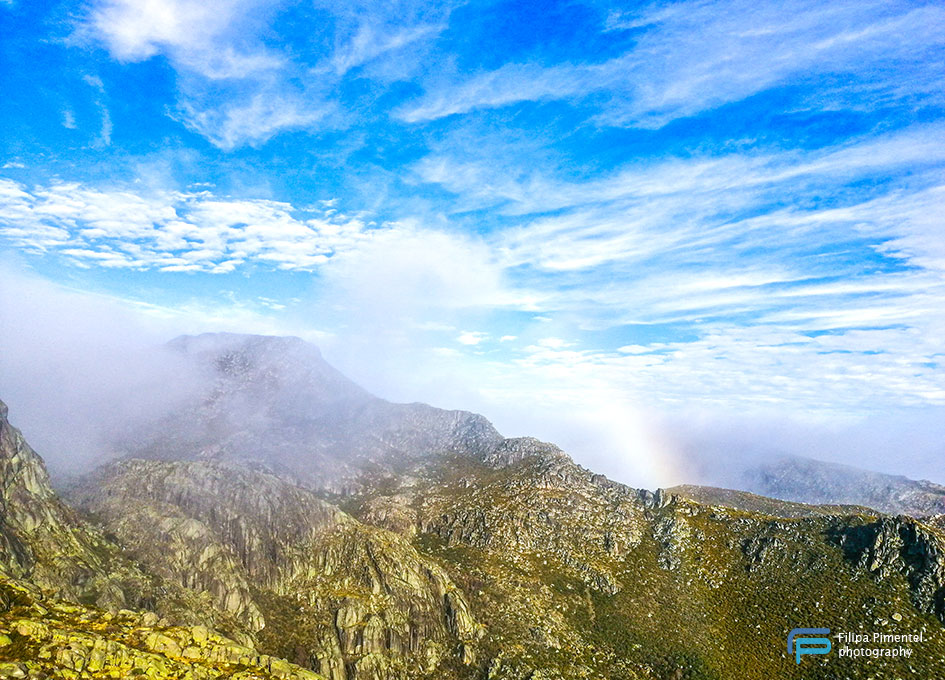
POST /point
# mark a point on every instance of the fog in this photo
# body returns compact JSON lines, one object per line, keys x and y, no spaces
{"x":718,"y":446}
{"x":77,"y":369}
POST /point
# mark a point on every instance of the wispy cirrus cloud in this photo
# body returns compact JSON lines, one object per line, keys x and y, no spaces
{"x":502,"y":183}
{"x":687,"y":215}
{"x":874,"y":263}
{"x":690,"y":57}
{"x":371,"y":41}
{"x":233,"y":87}
{"x":105,"y":132}
{"x":238,"y":86}
{"x":252,"y":118}
{"x":775,"y":297}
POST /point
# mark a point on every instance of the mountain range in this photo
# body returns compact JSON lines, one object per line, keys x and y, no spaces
{"x":806,"y":480}
{"x":283,"y":522}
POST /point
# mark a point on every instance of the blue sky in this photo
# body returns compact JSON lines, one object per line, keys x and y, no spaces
{"x":560,"y":208}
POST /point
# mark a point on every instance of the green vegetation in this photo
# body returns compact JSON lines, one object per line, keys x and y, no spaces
{"x":438,"y":551}
{"x":42,"y":637}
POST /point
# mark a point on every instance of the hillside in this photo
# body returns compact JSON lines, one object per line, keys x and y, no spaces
{"x":744,"y":500}
{"x":309,"y":581}
{"x":73,"y":604}
{"x":542,"y":569}
{"x":363,"y":540}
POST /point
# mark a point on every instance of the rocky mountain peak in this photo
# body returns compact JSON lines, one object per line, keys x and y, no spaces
{"x":286,"y":364}
{"x":276,"y":403}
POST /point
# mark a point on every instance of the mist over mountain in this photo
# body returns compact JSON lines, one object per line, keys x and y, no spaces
{"x":276,"y":403}
{"x":816,"y":482}
{"x":78,"y":369}
{"x":285,"y":523}
{"x":83,"y":370}
{"x":729,"y":450}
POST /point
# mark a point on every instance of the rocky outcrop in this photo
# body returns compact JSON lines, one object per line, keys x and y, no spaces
{"x":541,"y":505}
{"x":46,"y":638}
{"x":43,"y":540}
{"x":511,"y":451}
{"x":901,"y":545}
{"x":315,"y":584}
{"x":277,"y":404}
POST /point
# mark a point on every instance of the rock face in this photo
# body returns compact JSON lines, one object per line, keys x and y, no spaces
{"x":275,"y":403}
{"x":43,"y":638}
{"x":317,"y":585}
{"x":363,"y":540}
{"x":43,"y":540}
{"x":898,"y":545}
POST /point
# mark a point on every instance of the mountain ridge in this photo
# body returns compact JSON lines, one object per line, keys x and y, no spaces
{"x":442,"y":550}
{"x":268,"y":399}
{"x":817,"y":482}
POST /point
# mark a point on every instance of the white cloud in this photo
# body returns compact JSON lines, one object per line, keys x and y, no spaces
{"x":189,"y":30}
{"x":172,"y":231}
{"x":694,"y":56}
{"x":253,"y":119}
{"x":756,"y":370}
{"x":728,"y":180}
{"x":234,"y":90}
{"x":370,"y":41}
{"x":507,"y":85}
{"x":105,"y":132}
{"x":471,"y":337}
{"x":417,"y":274}
{"x":700,"y":55}
{"x":707,"y":237}
{"x":635,"y":349}
{"x":235,"y":87}
{"x":551,"y":343}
